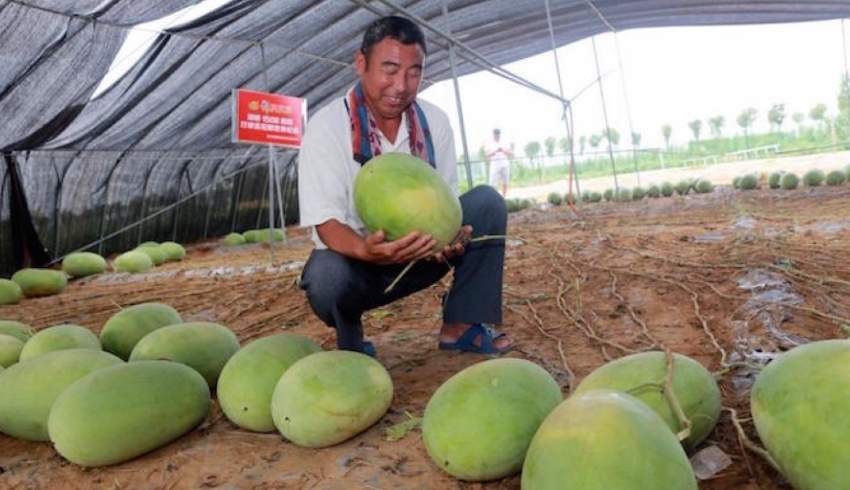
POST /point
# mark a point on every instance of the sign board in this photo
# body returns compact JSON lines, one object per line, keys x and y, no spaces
{"x":269,"y":119}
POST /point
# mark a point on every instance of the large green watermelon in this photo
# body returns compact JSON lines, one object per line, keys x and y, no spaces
{"x":133,"y":261}
{"x":329,"y":397}
{"x":605,"y":440}
{"x":249,"y":378}
{"x":10,"y":292}
{"x":19,"y":330}
{"x":203,"y":346}
{"x":59,"y":337}
{"x":399,"y":193}
{"x":694,"y":386}
{"x":33,"y":385}
{"x":117,"y":413}
{"x":125,"y":329}
{"x":10,"y":350}
{"x":82,"y":264}
{"x":478,"y":424}
{"x":800,"y":403}
{"x":40,"y":282}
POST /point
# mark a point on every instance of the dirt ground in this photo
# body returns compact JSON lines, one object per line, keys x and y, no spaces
{"x":726,"y":278}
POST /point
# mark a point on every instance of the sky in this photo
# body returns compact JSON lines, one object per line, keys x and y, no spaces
{"x":672,"y":76}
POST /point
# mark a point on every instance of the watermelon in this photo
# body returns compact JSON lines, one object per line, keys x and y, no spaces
{"x":154,"y":252}
{"x":173,"y":251}
{"x":249,"y":378}
{"x":252,"y":236}
{"x":36,"y":383}
{"x":21,"y":331}
{"x":329,"y":397}
{"x":133,"y":262}
{"x":126,"y":328}
{"x":478,"y":424}
{"x":399,"y":193}
{"x":40,"y":282}
{"x":799,"y":402}
{"x":10,"y":350}
{"x":203,"y":346}
{"x":59,"y":337}
{"x":695,"y":388}
{"x":234,"y":239}
{"x":605,"y":440}
{"x":120,"y":412}
{"x":82,"y":264}
{"x":10,"y":292}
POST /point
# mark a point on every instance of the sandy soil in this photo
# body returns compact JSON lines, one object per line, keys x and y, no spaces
{"x":697,"y":274}
{"x":719,"y":174}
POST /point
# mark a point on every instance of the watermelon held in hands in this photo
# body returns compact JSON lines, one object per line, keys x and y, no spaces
{"x":399,"y":193}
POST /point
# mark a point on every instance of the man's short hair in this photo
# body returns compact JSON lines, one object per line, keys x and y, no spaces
{"x":402,"y":30}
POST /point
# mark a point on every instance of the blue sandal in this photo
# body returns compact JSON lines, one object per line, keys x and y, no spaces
{"x":466,"y":342}
{"x":369,"y":348}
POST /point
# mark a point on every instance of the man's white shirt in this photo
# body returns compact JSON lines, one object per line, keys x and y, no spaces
{"x":327,"y":169}
{"x":496,"y":150}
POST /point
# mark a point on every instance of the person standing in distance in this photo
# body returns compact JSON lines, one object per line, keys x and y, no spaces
{"x":499,"y":155}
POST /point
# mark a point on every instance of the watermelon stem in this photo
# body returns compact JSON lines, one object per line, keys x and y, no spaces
{"x":684,"y":421}
{"x":412,"y":263}
{"x":747,"y":443}
{"x":400,"y":275}
{"x":483,"y":238}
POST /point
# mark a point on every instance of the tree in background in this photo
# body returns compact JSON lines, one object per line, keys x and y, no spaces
{"x":696,"y":127}
{"x":582,"y":143}
{"x":775,"y":116}
{"x":799,"y":118}
{"x":550,"y":143}
{"x":636,"y":139}
{"x":532,"y":150}
{"x":745,"y":120}
{"x":612,"y":135}
{"x":667,"y":132}
{"x":595,"y":139}
{"x":565,"y":145}
{"x":844,"y":97}
{"x":842,"y":122}
{"x":818,"y":114}
{"x":715,"y":124}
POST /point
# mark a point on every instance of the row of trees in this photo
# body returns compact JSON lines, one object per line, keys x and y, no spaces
{"x":776,"y":117}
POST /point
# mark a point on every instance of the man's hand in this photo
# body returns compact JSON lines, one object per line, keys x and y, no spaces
{"x":458,"y":245}
{"x":413,"y":246}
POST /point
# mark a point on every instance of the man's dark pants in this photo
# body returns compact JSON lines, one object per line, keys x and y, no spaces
{"x":340,"y":288}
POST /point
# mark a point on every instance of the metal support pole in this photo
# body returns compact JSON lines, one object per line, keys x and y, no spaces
{"x":271,"y":161}
{"x":459,"y":105}
{"x":564,"y":105}
{"x":280,"y":208}
{"x":605,"y":113}
{"x":626,"y":100}
{"x":844,"y":48}
{"x":473,"y":55}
